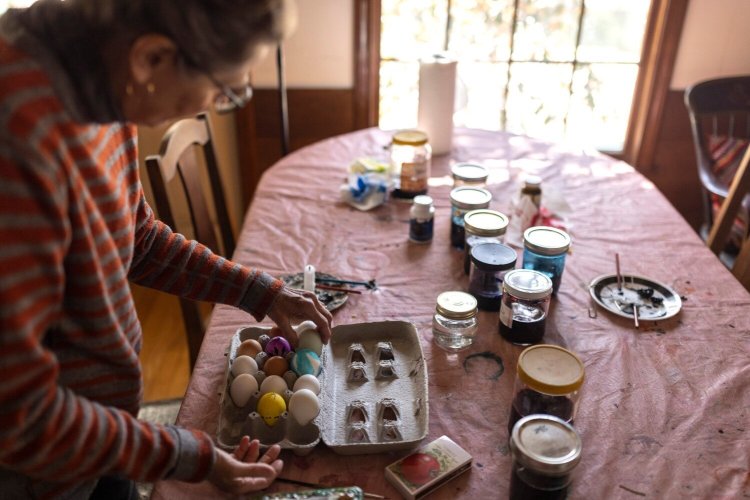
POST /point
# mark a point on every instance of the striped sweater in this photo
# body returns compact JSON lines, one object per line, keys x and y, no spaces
{"x":74,"y":228}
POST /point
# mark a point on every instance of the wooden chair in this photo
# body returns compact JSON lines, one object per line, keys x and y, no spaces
{"x":738,"y":190}
{"x":719,"y":112}
{"x":179,"y":154}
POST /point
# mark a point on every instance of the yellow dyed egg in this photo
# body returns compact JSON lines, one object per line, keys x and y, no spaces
{"x":270,"y":408}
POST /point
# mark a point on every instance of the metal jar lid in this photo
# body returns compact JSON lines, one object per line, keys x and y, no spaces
{"x":527,"y":284}
{"x":546,"y":240}
{"x":470,"y":198}
{"x":546,"y":445}
{"x":469,"y":172}
{"x":456,"y":305}
{"x":410,"y":138}
{"x":550,"y":369}
{"x":493,"y":256}
{"x":485,"y":222}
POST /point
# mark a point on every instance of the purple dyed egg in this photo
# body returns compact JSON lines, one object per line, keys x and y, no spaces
{"x":278,"y":346}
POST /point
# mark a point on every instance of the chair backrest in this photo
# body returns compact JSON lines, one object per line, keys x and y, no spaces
{"x":179,"y":155}
{"x":717,"y":238}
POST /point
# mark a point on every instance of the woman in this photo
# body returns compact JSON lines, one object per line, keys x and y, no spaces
{"x":74,"y":226}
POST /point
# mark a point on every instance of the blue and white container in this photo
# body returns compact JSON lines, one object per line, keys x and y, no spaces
{"x":544,"y":250}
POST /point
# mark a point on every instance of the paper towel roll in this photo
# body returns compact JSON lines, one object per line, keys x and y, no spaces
{"x":437,"y":92}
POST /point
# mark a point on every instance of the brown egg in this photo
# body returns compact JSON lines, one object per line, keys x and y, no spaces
{"x":276,"y":365}
{"x":249,"y":347}
{"x":275,"y":332}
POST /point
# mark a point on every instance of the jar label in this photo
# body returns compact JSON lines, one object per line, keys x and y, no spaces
{"x":414,"y":177}
{"x":506,"y":315}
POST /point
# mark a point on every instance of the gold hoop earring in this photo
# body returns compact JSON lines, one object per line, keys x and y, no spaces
{"x":150,"y":88}
{"x":129,"y":89}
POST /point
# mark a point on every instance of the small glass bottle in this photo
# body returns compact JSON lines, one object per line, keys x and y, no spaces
{"x":454,"y":324}
{"x":545,"y":451}
{"x":525,"y":207}
{"x":465,"y":199}
{"x":421,"y":219}
{"x":482,"y":226}
{"x":532,"y":187}
{"x":544,"y":250}
{"x":523,"y":307}
{"x":489,"y":264}
{"x":469,"y":174}
{"x":410,"y":163}
{"x":548,"y":380}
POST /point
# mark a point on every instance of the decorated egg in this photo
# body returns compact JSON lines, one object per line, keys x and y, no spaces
{"x":276,"y":365}
{"x":278,"y":346}
{"x":306,"y":362}
{"x":273,"y":383}
{"x":309,"y":382}
{"x":264,"y":339}
{"x":310,"y":339}
{"x":270,"y":408}
{"x":304,"y":406}
{"x":244,"y":364}
{"x":249,"y":347}
{"x":242,"y":389}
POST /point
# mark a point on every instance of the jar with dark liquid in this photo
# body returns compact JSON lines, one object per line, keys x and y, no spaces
{"x":482,"y":226}
{"x":548,"y":381}
{"x":544,"y":250}
{"x":464,"y":199}
{"x":490,"y":262}
{"x":523,"y":308}
{"x":545,"y":451}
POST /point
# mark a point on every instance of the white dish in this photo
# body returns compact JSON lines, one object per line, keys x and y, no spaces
{"x":655,"y":301}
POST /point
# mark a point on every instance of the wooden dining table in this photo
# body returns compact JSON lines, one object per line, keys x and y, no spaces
{"x":664,"y":411}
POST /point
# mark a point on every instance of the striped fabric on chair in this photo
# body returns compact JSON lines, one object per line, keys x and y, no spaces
{"x":726,"y":153}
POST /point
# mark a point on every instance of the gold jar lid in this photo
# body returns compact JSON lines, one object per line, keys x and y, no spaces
{"x":485,"y":222}
{"x":410,"y":138}
{"x":470,"y":198}
{"x":546,"y":444}
{"x":550,"y":369}
{"x":456,"y":305}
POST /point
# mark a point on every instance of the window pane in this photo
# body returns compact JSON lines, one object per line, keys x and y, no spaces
{"x":480,"y":30}
{"x":538,"y":97}
{"x":613,"y":30}
{"x":479,"y":95}
{"x":546,"y":30}
{"x":600,"y":105}
{"x":399,"y":94}
{"x":414,"y":29}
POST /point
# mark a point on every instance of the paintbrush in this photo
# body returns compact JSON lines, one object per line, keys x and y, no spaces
{"x":336,"y":288}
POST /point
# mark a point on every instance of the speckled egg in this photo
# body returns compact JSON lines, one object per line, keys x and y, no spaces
{"x":276,"y":365}
{"x":278,"y":346}
{"x":306,"y":362}
{"x":309,"y":382}
{"x":273,"y":383}
{"x":249,"y":347}
{"x":270,"y":408}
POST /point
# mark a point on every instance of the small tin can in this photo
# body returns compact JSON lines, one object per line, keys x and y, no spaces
{"x":465,"y":199}
{"x":544,"y":250}
{"x":421,"y":219}
{"x":523,"y":307}
{"x":469,"y":174}
{"x":454,"y":324}
{"x":489,"y":264}
{"x":482,"y":226}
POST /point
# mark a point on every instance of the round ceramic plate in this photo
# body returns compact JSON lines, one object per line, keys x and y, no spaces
{"x":329,"y":298}
{"x":653,"y":300}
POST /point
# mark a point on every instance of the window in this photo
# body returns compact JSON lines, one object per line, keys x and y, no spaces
{"x":7,"y":4}
{"x":553,"y":69}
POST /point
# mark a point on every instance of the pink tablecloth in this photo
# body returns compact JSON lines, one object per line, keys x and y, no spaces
{"x":665,"y":410}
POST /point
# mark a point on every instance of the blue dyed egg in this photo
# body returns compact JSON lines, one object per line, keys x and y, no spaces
{"x":278,"y":346}
{"x":306,"y":362}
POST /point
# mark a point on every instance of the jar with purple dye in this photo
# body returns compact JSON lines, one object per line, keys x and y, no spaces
{"x":489,"y":264}
{"x":524,"y":305}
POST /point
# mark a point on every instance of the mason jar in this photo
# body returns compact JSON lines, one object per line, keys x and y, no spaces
{"x":489,"y":264}
{"x":411,"y":156}
{"x":482,"y":226}
{"x":544,"y":250}
{"x":463,"y":200}
{"x":524,"y":305}
{"x":469,"y":174}
{"x":454,"y":324}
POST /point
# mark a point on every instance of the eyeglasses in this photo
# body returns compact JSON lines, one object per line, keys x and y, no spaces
{"x":230,"y":99}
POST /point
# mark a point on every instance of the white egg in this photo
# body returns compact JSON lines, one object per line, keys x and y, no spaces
{"x":305,"y":325}
{"x":242,"y":389}
{"x":309,"y":382}
{"x":244,"y":364}
{"x":273,"y":383}
{"x":304,"y":406}
{"x":310,"y":339}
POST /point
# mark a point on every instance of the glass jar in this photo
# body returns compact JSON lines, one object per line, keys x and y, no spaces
{"x":421,"y":219}
{"x":532,"y":187}
{"x":454,"y":324}
{"x":523,"y":307}
{"x":482,"y":226}
{"x":489,"y":264}
{"x":469,"y":174}
{"x":544,"y":250}
{"x":548,"y":381}
{"x":465,"y":199}
{"x":410,"y":163}
{"x":545,"y":451}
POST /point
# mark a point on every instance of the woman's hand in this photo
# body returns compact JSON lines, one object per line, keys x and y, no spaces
{"x":242,"y":471}
{"x":299,"y":305}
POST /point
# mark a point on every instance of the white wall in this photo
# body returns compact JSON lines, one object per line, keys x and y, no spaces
{"x":320,"y":53}
{"x":715,"y":42}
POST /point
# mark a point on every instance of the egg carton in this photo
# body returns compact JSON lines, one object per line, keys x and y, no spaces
{"x":373,"y":394}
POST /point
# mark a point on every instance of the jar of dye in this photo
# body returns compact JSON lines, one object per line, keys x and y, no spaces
{"x":454,"y":324}
{"x":421,"y":219}
{"x":464,"y":199}
{"x":469,"y":174}
{"x":548,"y":381}
{"x":410,"y":163}
{"x":524,"y":305}
{"x":489,"y":264}
{"x":482,"y":226}
{"x":544,"y":250}
{"x":545,"y":451}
